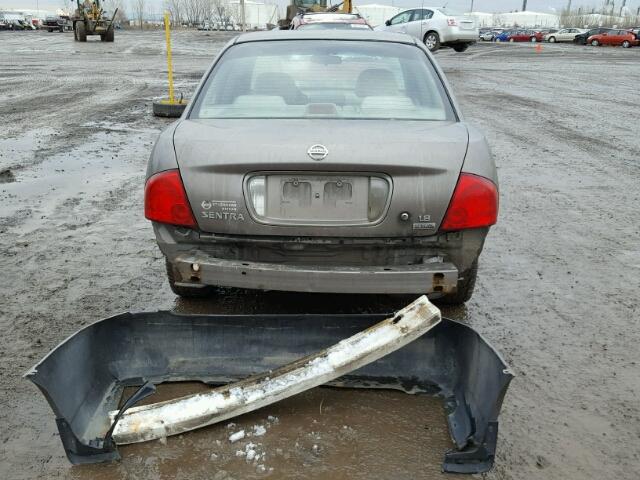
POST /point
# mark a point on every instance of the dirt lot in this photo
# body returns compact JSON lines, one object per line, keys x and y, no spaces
{"x":557,"y":291}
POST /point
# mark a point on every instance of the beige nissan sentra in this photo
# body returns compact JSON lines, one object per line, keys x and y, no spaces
{"x":323,"y":161}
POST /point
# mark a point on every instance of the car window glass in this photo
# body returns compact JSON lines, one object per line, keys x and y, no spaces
{"x":427,"y":14}
{"x":323,"y":79}
{"x":401,"y":18}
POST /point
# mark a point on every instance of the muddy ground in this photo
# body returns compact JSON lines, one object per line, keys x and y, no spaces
{"x":557,"y":291}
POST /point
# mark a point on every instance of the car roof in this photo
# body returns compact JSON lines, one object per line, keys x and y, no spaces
{"x":331,"y":15}
{"x":302,"y":34}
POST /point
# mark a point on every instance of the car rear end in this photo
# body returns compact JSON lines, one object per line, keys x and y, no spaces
{"x":330,"y":21}
{"x":630,"y":39}
{"x":337,"y":184}
{"x":459,"y":28}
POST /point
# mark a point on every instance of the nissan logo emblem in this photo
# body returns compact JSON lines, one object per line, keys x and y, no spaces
{"x":318,"y":152}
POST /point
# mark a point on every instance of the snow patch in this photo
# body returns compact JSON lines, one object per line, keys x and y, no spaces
{"x":234,"y":437}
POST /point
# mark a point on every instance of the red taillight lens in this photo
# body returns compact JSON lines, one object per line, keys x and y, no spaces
{"x":474,"y":204}
{"x":165,"y":200}
{"x":451,"y":22}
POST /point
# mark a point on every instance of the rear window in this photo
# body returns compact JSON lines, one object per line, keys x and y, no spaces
{"x":323,"y":79}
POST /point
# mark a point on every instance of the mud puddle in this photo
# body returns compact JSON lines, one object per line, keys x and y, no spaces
{"x":325,"y":432}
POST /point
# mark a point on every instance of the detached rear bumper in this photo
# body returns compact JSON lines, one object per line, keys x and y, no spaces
{"x":200,"y":269}
{"x":84,"y":377}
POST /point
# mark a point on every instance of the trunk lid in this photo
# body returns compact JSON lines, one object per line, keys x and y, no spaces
{"x":223,"y":163}
{"x":466,"y":22}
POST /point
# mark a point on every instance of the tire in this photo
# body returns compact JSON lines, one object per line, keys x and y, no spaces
{"x":511,"y":40}
{"x":595,"y":43}
{"x":465,"y":288}
{"x":168,"y":110}
{"x":533,"y":39}
{"x":49,"y":30}
{"x":185,"y":292}
{"x":432,"y":41}
{"x":626,"y":44}
{"x":461,"y":48}
{"x":109,"y":36}
{"x":81,"y":32}
{"x":552,"y":40}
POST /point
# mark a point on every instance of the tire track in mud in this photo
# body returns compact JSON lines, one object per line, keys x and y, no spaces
{"x":553,"y":276}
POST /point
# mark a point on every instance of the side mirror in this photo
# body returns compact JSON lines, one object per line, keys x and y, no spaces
{"x":387,"y":23}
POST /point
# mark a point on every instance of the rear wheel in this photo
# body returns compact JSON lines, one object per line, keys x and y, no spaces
{"x":595,"y":43}
{"x":432,"y":41}
{"x":466,"y":284}
{"x":552,"y":39}
{"x":460,"y":48}
{"x":626,"y":44}
{"x":512,"y":40}
{"x":81,"y":32}
{"x":186,"y":292}
{"x":533,"y":39}
{"x":108,"y":36}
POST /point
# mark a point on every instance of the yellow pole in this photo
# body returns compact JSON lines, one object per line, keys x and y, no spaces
{"x":167,"y":34}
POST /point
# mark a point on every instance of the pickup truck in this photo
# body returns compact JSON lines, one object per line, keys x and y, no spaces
{"x":53,"y":23}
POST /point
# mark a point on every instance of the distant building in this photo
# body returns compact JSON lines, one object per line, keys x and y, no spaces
{"x":257,"y":15}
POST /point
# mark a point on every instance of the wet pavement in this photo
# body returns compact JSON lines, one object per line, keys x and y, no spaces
{"x":556,"y":293}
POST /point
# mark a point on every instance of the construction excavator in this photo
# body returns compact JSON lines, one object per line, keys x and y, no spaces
{"x":89,"y":19}
{"x":297,"y":7}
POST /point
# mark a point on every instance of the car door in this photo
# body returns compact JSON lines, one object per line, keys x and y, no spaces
{"x":427,"y":22}
{"x":617,"y":37}
{"x":607,"y":37}
{"x":414,"y":25}
{"x":566,"y":35}
{"x":399,"y":22}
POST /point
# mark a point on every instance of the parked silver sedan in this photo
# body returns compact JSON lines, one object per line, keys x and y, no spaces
{"x":435,"y":26}
{"x":323,"y":161}
{"x":564,"y":35}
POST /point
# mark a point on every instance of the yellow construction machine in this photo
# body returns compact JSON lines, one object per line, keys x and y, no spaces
{"x":89,"y":19}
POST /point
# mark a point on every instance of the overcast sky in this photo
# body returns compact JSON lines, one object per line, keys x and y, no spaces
{"x":155,"y":6}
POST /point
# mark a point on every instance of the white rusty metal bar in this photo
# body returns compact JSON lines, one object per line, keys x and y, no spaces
{"x":149,"y":422}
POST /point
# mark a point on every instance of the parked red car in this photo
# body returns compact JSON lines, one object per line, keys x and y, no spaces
{"x":614,"y":37}
{"x":525,"y":36}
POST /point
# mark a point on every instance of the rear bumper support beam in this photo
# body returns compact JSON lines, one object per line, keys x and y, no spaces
{"x":427,"y":278}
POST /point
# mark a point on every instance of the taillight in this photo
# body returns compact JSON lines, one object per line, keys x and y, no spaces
{"x":165,"y":200}
{"x":474,"y":204}
{"x":451,"y":22}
